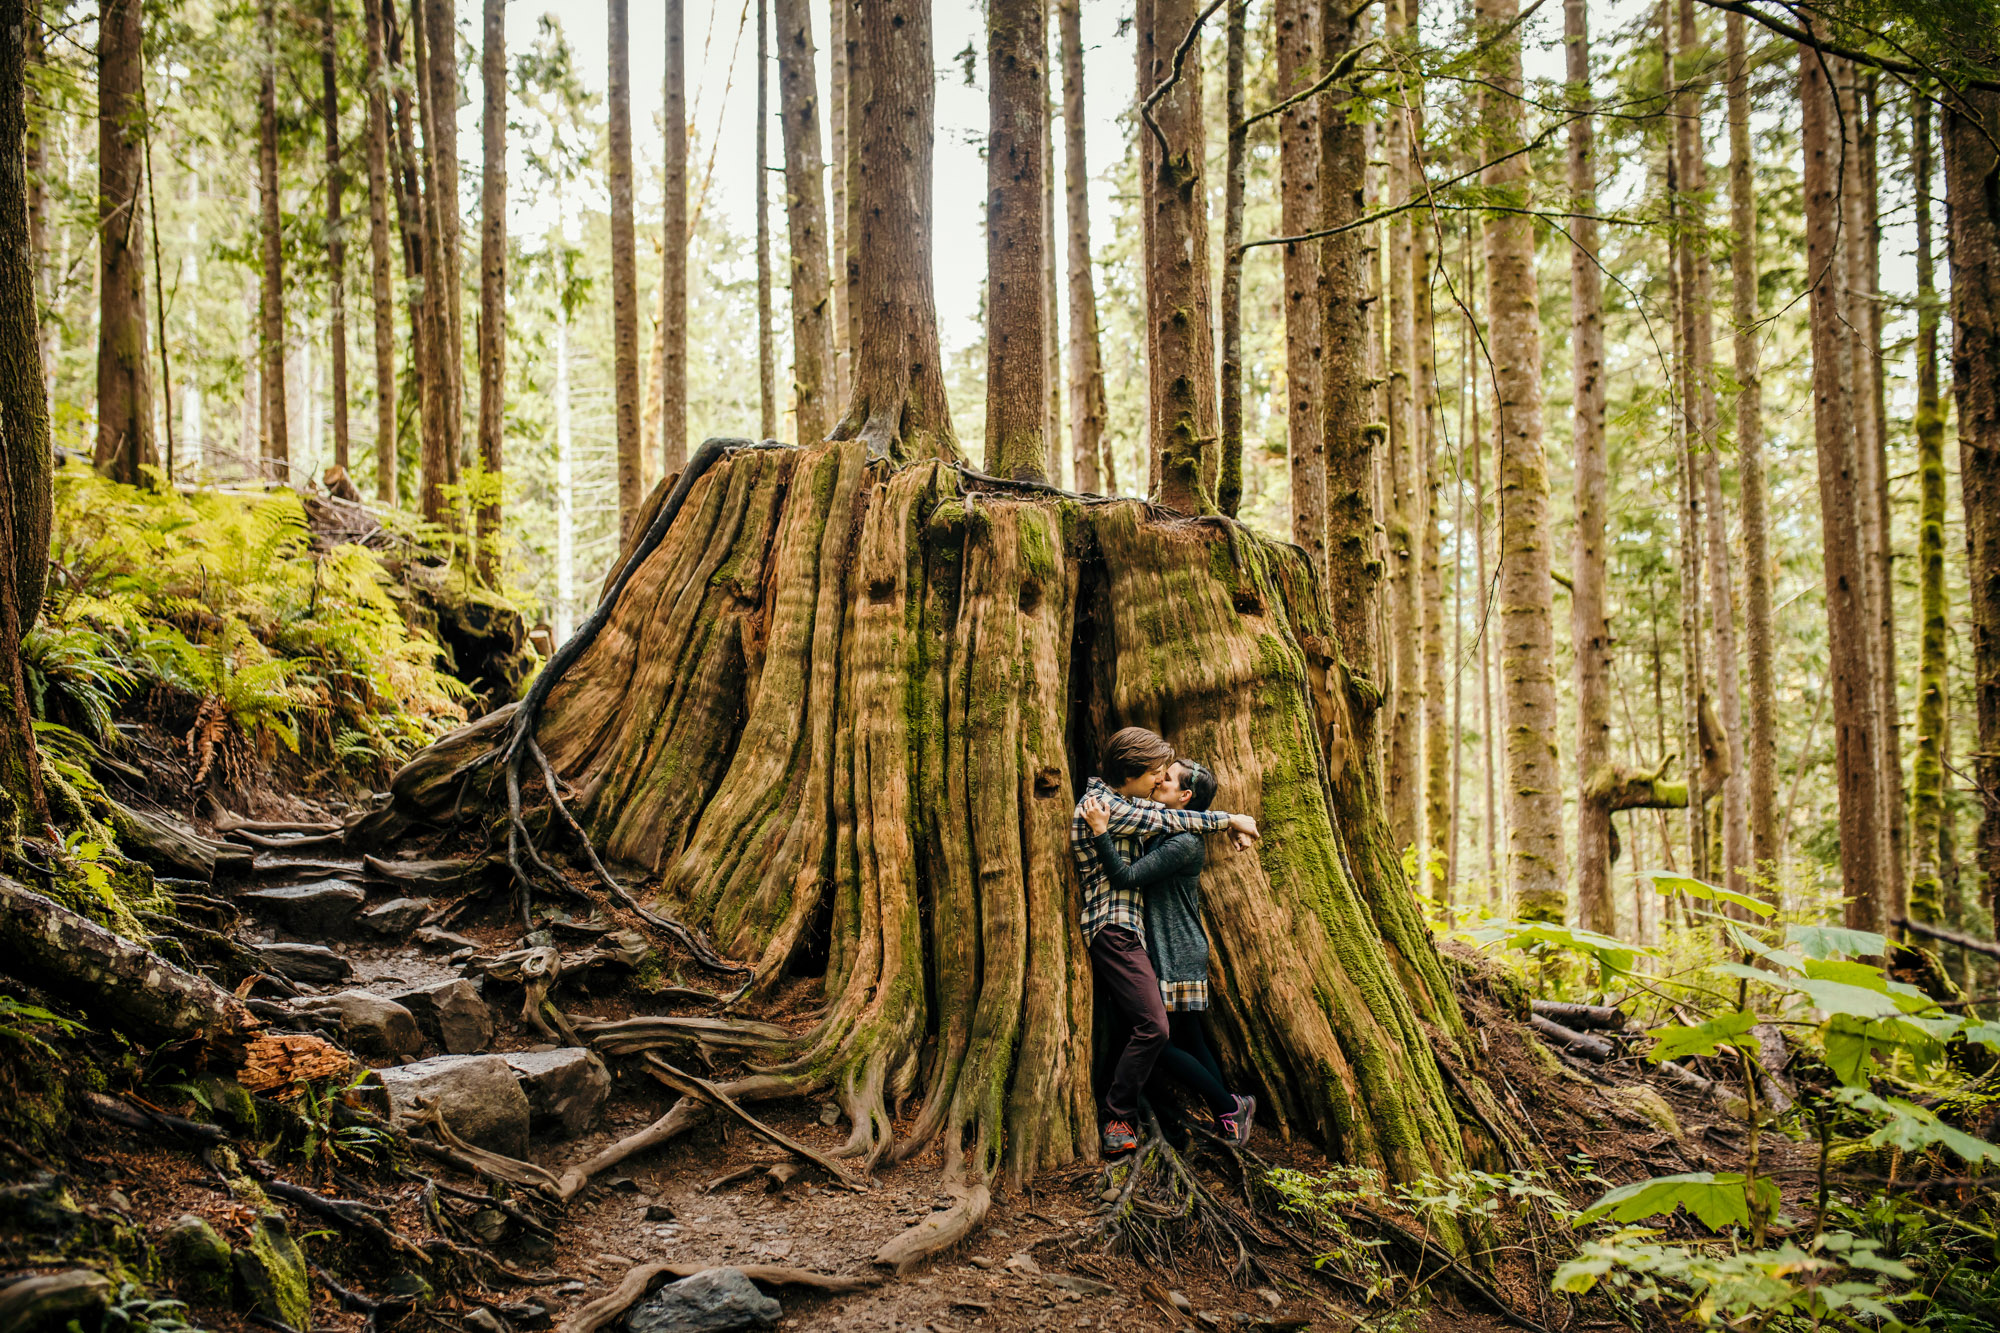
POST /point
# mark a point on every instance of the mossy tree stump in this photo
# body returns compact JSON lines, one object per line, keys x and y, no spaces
{"x":842,"y":712}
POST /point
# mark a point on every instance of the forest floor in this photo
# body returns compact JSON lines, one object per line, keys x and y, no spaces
{"x":705,"y":1200}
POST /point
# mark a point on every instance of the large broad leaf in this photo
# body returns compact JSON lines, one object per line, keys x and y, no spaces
{"x":1756,"y":948}
{"x":1850,"y":1042}
{"x":1986,"y":1033}
{"x":1664,"y":883}
{"x":1828,"y":941}
{"x":1716,"y":1201}
{"x":1681,"y":1039}
{"x":1839,"y":999}
{"x":1912,"y":1128}
{"x":1616,"y":955}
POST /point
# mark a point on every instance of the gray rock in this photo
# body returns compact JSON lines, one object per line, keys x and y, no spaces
{"x":309,"y":909}
{"x":712,"y":1301}
{"x":451,"y":1014}
{"x":565,"y":1087}
{"x":305,"y":962}
{"x":52,"y":1303}
{"x":477,"y":1095}
{"x":198,"y":1260}
{"x":397,"y":917}
{"x":368,"y":1023}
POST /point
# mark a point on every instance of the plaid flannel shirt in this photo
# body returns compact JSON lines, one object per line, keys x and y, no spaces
{"x":1132,"y":822}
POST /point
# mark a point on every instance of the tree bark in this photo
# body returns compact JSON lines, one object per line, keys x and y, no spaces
{"x":1297,"y":43}
{"x":1927,"y":815}
{"x":840,"y":45}
{"x":440,"y":398}
{"x":25,"y":458}
{"x":767,"y":352}
{"x":441,"y":151}
{"x":1856,"y":736}
{"x":624,"y":270}
{"x":1590,"y":625}
{"x":1016,"y":327}
{"x":1090,"y":459}
{"x":805,"y":214}
{"x":336,"y":237}
{"x":674,"y":248}
{"x":1401,"y":471}
{"x":1970,"y":167}
{"x":1526,"y":591}
{"x":1052,"y":345}
{"x":276,"y":444}
{"x":1181,"y":371}
{"x":1439,"y":744}
{"x":380,"y":290}
{"x":1229,"y":484}
{"x":1687,"y":436}
{"x":1760,"y":740}
{"x":492,"y":276}
{"x":898,"y":407}
{"x":124,"y":384}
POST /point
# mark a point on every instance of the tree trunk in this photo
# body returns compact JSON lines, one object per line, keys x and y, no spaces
{"x":492,"y":277}
{"x":1927,"y":772}
{"x":565,"y":477}
{"x":1297,"y":42}
{"x":899,"y":615}
{"x":1970,"y":164}
{"x":624,"y":270}
{"x":24,"y":434}
{"x":1348,"y":430}
{"x":441,"y":152}
{"x":1736,"y":856}
{"x":1760,"y":741}
{"x":1856,"y":738}
{"x":1181,"y":371}
{"x":898,"y":407}
{"x":840,"y":45}
{"x":440,"y":452}
{"x":767,"y":352}
{"x":1229,"y":486}
{"x":805,"y":213}
{"x":1090,"y":459}
{"x":1526,"y":591}
{"x":1590,"y":625}
{"x":674,"y":249}
{"x":1401,"y":478}
{"x":1439,"y":744}
{"x":1052,"y":345}
{"x":378,"y":256}
{"x":276,"y":443}
{"x":336,"y":237}
{"x":1687,"y":437}
{"x":1016,"y":328}
{"x":124,"y":385}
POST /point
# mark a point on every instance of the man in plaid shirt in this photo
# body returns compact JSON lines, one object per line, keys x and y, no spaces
{"x":1114,"y":920}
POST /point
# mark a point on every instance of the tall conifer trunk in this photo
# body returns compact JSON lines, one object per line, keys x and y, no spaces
{"x":805,"y":216}
{"x":1526,"y":589}
{"x":1856,"y":735}
{"x":1090,"y":459}
{"x":124,"y":384}
{"x":1229,"y":486}
{"x":1927,"y":814}
{"x":440,"y":395}
{"x":336,"y":237}
{"x":624,"y":269}
{"x":674,"y":240}
{"x":839,"y":45}
{"x":1401,"y":479}
{"x":275,"y":445}
{"x":767,"y":349}
{"x":441,"y":152}
{"x":492,"y":273}
{"x":1297,"y":41}
{"x":380,"y":290}
{"x":1016,"y":329}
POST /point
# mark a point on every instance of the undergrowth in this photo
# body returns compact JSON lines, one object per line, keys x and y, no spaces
{"x":212,"y":615}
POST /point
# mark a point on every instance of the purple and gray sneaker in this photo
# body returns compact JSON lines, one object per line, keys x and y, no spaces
{"x":1236,"y":1125}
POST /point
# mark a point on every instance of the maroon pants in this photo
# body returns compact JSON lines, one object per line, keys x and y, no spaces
{"x":1131,"y":991}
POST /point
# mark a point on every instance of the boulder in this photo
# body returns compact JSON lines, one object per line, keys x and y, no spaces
{"x":565,"y":1087}
{"x":452,"y":1014}
{"x":368,"y":1023}
{"x":477,"y":1095}
{"x":53,"y":1303}
{"x":198,"y":1260}
{"x":397,"y":917}
{"x":304,"y":962}
{"x":313,"y":908}
{"x":712,"y":1301}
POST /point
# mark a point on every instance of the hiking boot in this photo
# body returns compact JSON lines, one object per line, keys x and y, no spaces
{"x":1236,"y":1125}
{"x":1119,"y":1139}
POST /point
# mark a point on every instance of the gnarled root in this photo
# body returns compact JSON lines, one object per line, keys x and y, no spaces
{"x":938,"y":1232}
{"x":1162,"y":1208}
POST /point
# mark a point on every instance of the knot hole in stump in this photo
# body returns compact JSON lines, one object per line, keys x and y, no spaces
{"x":1248,"y":603}
{"x":881,"y":590}
{"x":1048,"y":781}
{"x":1031,"y":597}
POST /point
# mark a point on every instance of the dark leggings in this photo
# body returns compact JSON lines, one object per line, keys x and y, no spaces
{"x":1188,"y":1061}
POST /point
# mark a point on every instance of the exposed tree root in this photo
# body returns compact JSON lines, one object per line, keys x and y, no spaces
{"x":938,"y":1232}
{"x":688,"y":1085}
{"x":1161,"y":1209}
{"x":632,"y":1288}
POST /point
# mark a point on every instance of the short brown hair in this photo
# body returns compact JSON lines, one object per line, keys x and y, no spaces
{"x":1132,"y":751}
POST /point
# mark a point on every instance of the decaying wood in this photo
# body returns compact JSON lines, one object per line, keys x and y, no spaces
{"x":226,"y":820}
{"x":164,"y":842}
{"x":1580,"y":1017}
{"x":691,"y":1085}
{"x":287,"y":1060}
{"x":1576,"y":1043}
{"x":1943,"y":936}
{"x":630,"y":1036}
{"x":631,"y":1288}
{"x":117,"y":983}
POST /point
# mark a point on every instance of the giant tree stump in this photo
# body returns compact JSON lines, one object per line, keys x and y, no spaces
{"x":839,"y":714}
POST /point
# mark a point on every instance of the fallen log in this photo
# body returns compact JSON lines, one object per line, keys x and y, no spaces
{"x":1576,"y":1043}
{"x":1943,"y":936}
{"x":1580,"y":1017}
{"x":118,"y":983}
